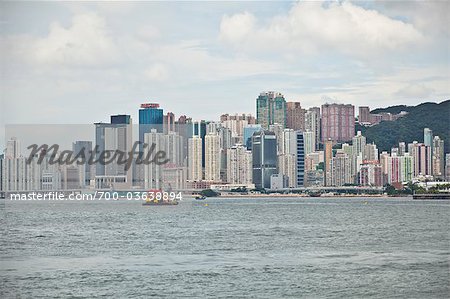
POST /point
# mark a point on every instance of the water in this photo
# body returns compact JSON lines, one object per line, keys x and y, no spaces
{"x":264,"y":248}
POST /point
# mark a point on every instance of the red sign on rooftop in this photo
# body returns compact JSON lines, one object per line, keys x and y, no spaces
{"x":150,"y":105}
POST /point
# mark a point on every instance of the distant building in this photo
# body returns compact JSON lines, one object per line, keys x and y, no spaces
{"x":150,"y":117}
{"x":338,"y":122}
{"x":328,"y":155}
{"x":371,"y":174}
{"x":239,"y":165}
{"x":278,"y":181}
{"x":195,"y":172}
{"x":153,"y":173}
{"x":271,"y":109}
{"x":84,"y":147}
{"x":438,"y":158}
{"x":428,"y":137}
{"x":421,"y":155}
{"x":264,"y":158}
{"x":447,"y":167}
{"x":300,"y":155}
{"x":295,"y":116}
{"x":12,"y":148}
{"x":364,"y":115}
{"x":312,"y":124}
{"x":248,"y":133}
{"x":341,"y":170}
{"x":212,"y":157}
{"x":309,"y":142}
{"x":112,"y":137}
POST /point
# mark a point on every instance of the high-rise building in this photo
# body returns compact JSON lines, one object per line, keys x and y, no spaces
{"x":401,"y":148}
{"x":278,"y":130}
{"x":364,"y":115}
{"x":84,"y":148}
{"x":195,"y":172}
{"x":153,"y":173}
{"x":428,"y":137}
{"x":287,"y":166}
{"x":371,"y":152}
{"x":271,"y":109}
{"x":212,"y":157}
{"x":359,"y":144}
{"x":438,"y":157}
{"x":308,"y":139}
{"x":12,"y":148}
{"x":328,"y":155}
{"x":248,"y":133}
{"x":300,"y":159}
{"x":399,"y":168}
{"x":239,"y":165}
{"x":447,"y":167}
{"x":371,"y":175}
{"x":264,"y":158}
{"x":341,"y":170}
{"x":295,"y":116}
{"x":338,"y":122}
{"x":112,"y":137}
{"x":169,"y":123}
{"x":312,"y":124}
{"x":199,"y":129}
{"x":150,"y":117}
{"x":421,"y":155}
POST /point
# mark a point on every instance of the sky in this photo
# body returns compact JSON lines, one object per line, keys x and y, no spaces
{"x":80,"y":62}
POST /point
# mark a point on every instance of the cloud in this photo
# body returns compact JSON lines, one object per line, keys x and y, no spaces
{"x":417,"y":91}
{"x":85,"y":43}
{"x":312,"y":27}
{"x":157,"y":72}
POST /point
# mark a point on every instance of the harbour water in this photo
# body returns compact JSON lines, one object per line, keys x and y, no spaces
{"x":258,"y":248}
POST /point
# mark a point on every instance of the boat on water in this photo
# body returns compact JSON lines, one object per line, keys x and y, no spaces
{"x":200,"y":197}
{"x":156,"y":202}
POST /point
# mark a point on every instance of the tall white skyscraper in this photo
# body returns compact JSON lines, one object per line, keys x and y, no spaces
{"x":438,"y":157}
{"x":212,"y":157}
{"x":312,"y":124}
{"x":428,"y":137}
{"x":308,"y":139}
{"x":12,"y":148}
{"x":239,"y":165}
{"x":195,"y":172}
{"x":153,"y":172}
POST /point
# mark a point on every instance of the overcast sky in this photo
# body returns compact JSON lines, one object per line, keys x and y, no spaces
{"x":81,"y":62}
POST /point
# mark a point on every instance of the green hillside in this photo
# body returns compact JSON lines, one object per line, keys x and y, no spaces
{"x":410,"y":127}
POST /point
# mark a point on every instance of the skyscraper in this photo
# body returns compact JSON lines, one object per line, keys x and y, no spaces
{"x":438,"y":157}
{"x":239,"y":165}
{"x":338,"y":122}
{"x":153,"y":172}
{"x":12,"y":148}
{"x":341,"y":170}
{"x":310,"y":145}
{"x":86,"y":148}
{"x":264,"y":158}
{"x":271,"y":109}
{"x":364,"y":115}
{"x":195,"y":172}
{"x":328,"y":152}
{"x":427,"y":137}
{"x":212,"y":157}
{"x":150,"y":117}
{"x":295,"y":116}
{"x":111,"y":137}
{"x":300,"y":159}
{"x":248,"y":133}
{"x":312,"y":124}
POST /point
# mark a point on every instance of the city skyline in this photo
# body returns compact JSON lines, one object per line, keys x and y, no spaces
{"x":65,"y":57}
